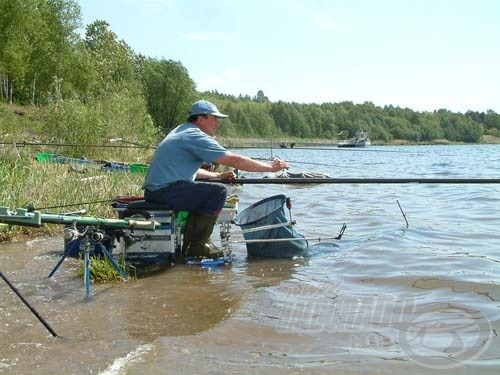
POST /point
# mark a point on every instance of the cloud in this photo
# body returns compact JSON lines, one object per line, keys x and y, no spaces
{"x":208,"y":36}
{"x":233,"y":74}
{"x":220,"y":80}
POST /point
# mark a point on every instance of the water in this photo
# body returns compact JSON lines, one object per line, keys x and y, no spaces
{"x":390,"y":298}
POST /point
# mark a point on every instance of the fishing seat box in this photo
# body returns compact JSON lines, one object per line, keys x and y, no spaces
{"x":140,"y":242}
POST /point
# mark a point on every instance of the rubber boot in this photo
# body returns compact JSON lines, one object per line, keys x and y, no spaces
{"x":196,"y":242}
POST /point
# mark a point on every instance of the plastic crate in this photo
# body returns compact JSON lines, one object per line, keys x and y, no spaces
{"x":139,"y":168}
{"x":45,"y":156}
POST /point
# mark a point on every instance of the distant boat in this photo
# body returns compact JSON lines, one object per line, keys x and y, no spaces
{"x":359,"y":140}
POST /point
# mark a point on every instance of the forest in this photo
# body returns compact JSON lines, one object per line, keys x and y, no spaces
{"x":83,"y":83}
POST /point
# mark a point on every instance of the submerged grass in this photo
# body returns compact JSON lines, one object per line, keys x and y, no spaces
{"x":102,"y":270}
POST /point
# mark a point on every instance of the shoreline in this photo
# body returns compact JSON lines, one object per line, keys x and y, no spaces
{"x":232,"y":142}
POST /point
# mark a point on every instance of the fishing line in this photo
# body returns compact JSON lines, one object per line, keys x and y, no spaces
{"x":296,"y":162}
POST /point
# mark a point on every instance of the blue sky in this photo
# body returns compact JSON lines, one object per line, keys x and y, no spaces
{"x":420,"y":54}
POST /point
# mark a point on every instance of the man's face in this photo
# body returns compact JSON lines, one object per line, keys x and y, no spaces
{"x":209,"y":124}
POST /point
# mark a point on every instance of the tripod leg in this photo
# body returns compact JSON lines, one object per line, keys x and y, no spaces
{"x":113,"y":262}
{"x":66,"y":253}
{"x":87,"y":269}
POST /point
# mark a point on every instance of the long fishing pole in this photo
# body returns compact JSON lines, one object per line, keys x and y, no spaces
{"x":31,"y":208}
{"x":356,"y":149}
{"x":333,"y":148}
{"x":136,"y":145}
{"x":32,"y":309}
{"x":24,"y":143}
{"x":303,"y":181}
{"x":131,"y":143}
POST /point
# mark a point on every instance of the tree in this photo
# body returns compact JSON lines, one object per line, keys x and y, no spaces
{"x":169,"y":92}
{"x":113,"y":60}
{"x":281,"y":116}
{"x":492,"y":120}
{"x":37,"y":46}
{"x":18,"y":19}
{"x":260,"y":97}
{"x":54,"y":50}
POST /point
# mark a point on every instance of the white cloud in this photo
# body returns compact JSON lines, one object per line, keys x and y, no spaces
{"x":208,"y":36}
{"x":221,"y":80}
{"x":233,"y":74}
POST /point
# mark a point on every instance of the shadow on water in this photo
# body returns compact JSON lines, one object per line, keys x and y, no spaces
{"x":266,"y":272}
{"x":182,"y":301}
{"x":189,"y":300}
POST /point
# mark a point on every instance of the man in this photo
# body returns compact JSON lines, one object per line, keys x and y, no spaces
{"x":176,"y":165}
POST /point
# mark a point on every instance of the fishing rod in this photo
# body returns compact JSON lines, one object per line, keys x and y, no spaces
{"x":30,"y":207}
{"x":32,"y":309}
{"x":333,"y":148}
{"x":24,"y":144}
{"x":355,"y":149}
{"x":138,"y":145}
{"x":303,"y":181}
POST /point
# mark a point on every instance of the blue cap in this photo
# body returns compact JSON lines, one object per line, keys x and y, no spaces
{"x":204,"y":107}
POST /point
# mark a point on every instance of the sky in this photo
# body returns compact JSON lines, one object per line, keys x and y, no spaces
{"x":419,"y":54}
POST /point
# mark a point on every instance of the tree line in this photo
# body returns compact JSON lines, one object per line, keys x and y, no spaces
{"x":95,"y":86}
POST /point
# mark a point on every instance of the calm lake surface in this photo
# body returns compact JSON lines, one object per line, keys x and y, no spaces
{"x":419,"y":299}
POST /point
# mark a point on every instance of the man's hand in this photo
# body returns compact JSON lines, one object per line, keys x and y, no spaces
{"x":278,"y":165}
{"x":227,"y":175}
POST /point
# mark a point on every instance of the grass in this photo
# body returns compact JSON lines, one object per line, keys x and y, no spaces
{"x":102,"y":270}
{"x":61,"y":188}
{"x":58,"y":188}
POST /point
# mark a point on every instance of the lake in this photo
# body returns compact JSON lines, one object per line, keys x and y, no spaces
{"x":415,"y":293}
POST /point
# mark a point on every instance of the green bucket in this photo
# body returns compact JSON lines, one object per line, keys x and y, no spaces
{"x":45,"y":156}
{"x":139,"y":168}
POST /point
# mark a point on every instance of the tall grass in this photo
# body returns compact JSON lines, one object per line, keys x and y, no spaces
{"x":94,"y":124}
{"x":23,"y":180}
{"x":60,"y":188}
